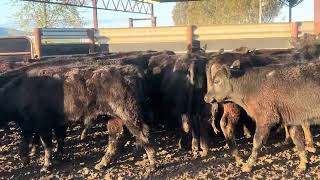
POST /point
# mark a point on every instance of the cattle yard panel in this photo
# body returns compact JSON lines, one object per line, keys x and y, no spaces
{"x":17,"y":46}
{"x":259,"y":36}
{"x":272,"y":36}
{"x":177,"y":38}
{"x":58,"y":37}
{"x":145,"y":38}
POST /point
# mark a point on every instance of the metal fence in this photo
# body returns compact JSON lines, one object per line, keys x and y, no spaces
{"x":275,"y":35}
{"x":16,"y":48}
{"x":61,"y":41}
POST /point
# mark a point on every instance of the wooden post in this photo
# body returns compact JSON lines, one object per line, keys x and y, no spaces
{"x":130,"y":22}
{"x":153,"y":21}
{"x":294,"y":30}
{"x":189,"y":36}
{"x":317,"y":17}
{"x":37,"y":42}
{"x":95,"y":14}
{"x":90,"y":33}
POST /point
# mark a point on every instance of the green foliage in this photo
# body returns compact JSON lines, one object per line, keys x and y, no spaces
{"x":30,"y":14}
{"x":208,"y":12}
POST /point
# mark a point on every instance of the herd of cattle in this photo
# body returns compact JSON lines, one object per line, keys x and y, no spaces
{"x":141,"y":90}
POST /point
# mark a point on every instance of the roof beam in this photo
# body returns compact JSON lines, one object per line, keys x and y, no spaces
{"x":131,"y":6}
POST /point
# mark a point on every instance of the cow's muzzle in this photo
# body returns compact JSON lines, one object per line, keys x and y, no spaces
{"x":209,"y":99}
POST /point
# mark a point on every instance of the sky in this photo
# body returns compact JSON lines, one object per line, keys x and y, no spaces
{"x":108,"y":19}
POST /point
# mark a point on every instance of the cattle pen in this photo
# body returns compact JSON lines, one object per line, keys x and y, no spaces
{"x":192,"y":101}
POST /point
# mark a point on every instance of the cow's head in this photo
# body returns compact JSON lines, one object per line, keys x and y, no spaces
{"x":220,"y":87}
{"x":197,"y":74}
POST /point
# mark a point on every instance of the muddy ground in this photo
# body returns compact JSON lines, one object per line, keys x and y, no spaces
{"x":277,"y":161}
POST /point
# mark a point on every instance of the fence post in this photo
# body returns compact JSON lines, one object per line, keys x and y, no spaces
{"x":153,"y":21}
{"x":317,"y":17}
{"x":190,"y":37}
{"x":294,"y":30}
{"x":90,"y":33}
{"x":130,"y":22}
{"x":37,"y":32}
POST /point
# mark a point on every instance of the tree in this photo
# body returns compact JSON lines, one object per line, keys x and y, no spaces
{"x":224,"y":12}
{"x":32,"y":14}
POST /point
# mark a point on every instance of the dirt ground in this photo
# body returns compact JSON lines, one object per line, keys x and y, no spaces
{"x":278,"y":161}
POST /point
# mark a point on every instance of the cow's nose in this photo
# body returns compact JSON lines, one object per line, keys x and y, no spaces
{"x":206,"y":99}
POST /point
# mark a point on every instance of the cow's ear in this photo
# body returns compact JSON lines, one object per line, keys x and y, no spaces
{"x":221,"y":51}
{"x":235,"y":65}
{"x":235,"y":69}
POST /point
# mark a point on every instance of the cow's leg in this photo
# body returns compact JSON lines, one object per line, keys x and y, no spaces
{"x":24,"y":147}
{"x":194,"y":142}
{"x":84,"y":133}
{"x":35,"y":144}
{"x":195,"y":134}
{"x":246,"y":132}
{"x":180,"y":141}
{"x":184,"y":130}
{"x":60,"y":133}
{"x":227,"y":126}
{"x":204,"y":139}
{"x":46,"y":140}
{"x":142,"y":135}
{"x":261,"y":135}
{"x":214,"y":111}
{"x":110,"y":153}
{"x":115,"y":132}
{"x":287,"y":140}
{"x":87,"y":124}
{"x":297,"y":138}
{"x":308,"y":138}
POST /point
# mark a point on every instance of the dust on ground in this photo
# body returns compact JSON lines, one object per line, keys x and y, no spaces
{"x":277,"y":160}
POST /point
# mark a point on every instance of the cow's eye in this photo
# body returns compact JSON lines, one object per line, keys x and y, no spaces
{"x":216,"y":81}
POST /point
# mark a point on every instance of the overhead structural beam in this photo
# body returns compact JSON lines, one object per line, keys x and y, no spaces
{"x":95,"y":14}
{"x":291,"y":4}
{"x":317,"y":16}
{"x":131,"y":6}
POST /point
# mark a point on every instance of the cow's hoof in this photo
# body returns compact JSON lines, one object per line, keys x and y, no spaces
{"x":248,"y":135}
{"x":45,"y":169}
{"x":239,"y":162}
{"x":204,"y":153}
{"x":34,"y":151}
{"x":302,"y":167}
{"x":83,"y":136}
{"x":311,"y":149}
{"x":99,"y":166}
{"x":195,"y":153}
{"x":179,"y":145}
{"x":287,"y":140}
{"x":152,"y":169}
{"x":194,"y":146}
{"x":246,"y":168}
